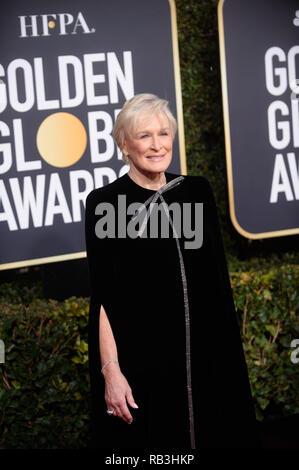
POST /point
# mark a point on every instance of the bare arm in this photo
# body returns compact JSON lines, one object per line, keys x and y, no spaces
{"x":117,"y":389}
{"x":108,"y":347}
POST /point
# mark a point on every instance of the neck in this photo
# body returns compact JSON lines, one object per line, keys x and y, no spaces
{"x":148,"y":180}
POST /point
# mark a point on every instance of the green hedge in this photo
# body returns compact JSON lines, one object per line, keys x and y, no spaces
{"x":44,"y":381}
{"x":44,"y":394}
{"x":268,"y":311}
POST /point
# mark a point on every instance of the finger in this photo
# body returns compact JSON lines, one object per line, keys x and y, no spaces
{"x":111,"y":408}
{"x":120,"y":412}
{"x":109,"y":405}
{"x":126,"y":415}
{"x":130,"y":399}
{"x":117,"y":412}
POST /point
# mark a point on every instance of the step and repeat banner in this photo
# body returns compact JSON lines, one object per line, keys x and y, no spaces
{"x":66,"y":69}
{"x":259,"y":51}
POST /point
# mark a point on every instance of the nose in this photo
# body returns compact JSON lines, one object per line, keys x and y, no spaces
{"x":156,"y":143}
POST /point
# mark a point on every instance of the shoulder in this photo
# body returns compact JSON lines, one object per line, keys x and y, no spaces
{"x":191,"y":179}
{"x":105,"y":193}
{"x":199,"y":185}
{"x":198,"y":180}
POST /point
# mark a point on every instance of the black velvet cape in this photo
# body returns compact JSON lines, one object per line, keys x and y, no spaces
{"x":138,"y":281}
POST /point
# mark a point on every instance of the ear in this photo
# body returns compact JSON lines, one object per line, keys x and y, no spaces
{"x":124,"y":148}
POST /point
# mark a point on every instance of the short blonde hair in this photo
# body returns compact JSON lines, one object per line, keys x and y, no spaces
{"x":142,"y":105}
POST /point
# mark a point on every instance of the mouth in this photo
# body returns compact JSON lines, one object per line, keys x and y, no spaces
{"x":155,"y":158}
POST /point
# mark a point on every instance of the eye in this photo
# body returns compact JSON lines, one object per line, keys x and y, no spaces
{"x":164,"y":133}
{"x":143,"y":136}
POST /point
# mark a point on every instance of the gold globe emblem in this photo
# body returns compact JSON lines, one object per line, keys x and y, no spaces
{"x":61,"y":139}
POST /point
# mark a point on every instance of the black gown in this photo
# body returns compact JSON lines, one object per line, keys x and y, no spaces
{"x":139,"y":283}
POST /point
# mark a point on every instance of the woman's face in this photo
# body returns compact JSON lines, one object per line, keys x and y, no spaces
{"x":150,"y":147}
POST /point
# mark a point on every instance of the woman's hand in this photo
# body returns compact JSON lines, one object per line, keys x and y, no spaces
{"x":118,"y":393}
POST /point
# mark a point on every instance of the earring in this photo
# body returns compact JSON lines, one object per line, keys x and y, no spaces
{"x":126,"y":157}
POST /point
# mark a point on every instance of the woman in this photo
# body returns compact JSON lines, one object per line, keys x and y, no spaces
{"x":162,"y":325}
